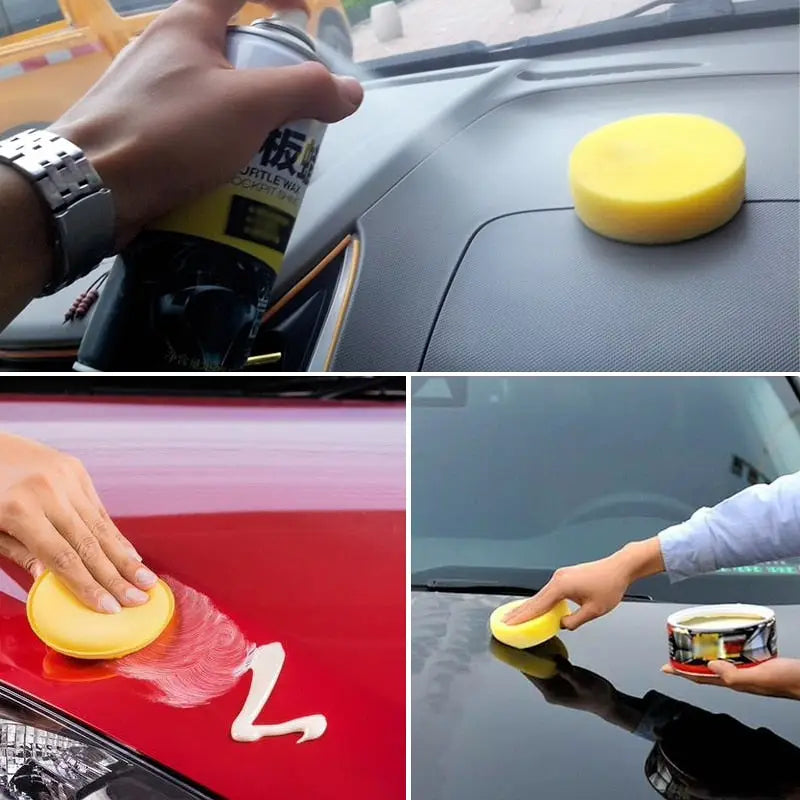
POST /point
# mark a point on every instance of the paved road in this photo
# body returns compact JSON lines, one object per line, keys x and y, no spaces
{"x":432,"y":23}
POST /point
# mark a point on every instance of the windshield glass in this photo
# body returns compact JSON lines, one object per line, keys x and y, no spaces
{"x":53,"y":51}
{"x":534,"y":473}
{"x":425,"y":24}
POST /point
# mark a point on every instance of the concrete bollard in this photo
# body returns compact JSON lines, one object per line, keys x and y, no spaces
{"x":386,"y":22}
{"x":526,"y":5}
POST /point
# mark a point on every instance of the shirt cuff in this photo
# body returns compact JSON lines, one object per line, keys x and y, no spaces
{"x":687,"y":548}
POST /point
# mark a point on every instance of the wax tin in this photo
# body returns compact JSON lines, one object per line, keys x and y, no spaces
{"x":744,"y":635}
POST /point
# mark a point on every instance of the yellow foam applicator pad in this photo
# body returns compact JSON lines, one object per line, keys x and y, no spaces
{"x":658,"y":178}
{"x":530,"y":633}
{"x":540,"y":662}
{"x":67,"y":626}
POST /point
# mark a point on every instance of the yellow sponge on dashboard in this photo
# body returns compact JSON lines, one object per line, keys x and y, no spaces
{"x":530,"y":633}
{"x":658,"y":178}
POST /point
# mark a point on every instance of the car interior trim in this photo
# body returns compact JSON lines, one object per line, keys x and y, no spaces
{"x":301,"y":284}
{"x":24,"y":355}
{"x":351,"y":273}
{"x":325,"y":347}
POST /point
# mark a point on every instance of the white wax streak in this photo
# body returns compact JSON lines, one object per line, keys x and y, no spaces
{"x":266,"y":665}
{"x":10,"y":587}
{"x":201,"y":658}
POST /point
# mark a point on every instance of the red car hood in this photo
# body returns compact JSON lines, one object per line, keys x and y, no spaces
{"x":276,"y":523}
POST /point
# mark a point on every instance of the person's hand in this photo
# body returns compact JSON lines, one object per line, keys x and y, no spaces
{"x":597,"y":586}
{"x":171,"y":119}
{"x":51,"y":516}
{"x":778,"y":677}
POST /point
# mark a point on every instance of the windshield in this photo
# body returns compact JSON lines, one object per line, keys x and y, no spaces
{"x":514,"y":477}
{"x":426,"y":24}
{"x":53,"y":51}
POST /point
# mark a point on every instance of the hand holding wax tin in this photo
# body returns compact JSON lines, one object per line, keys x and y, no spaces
{"x":743,"y":635}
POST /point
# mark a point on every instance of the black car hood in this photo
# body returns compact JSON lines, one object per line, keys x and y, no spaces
{"x":483,"y":729}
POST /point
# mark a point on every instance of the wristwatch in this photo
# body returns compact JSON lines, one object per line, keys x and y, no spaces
{"x":81,"y":207}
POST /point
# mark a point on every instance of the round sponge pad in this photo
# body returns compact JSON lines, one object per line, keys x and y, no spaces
{"x":658,"y":178}
{"x":67,"y":626}
{"x":530,"y":633}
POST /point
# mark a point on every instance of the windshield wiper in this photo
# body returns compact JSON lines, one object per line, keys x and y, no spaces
{"x":683,"y":18}
{"x":375,"y":388}
{"x":682,"y":9}
{"x":471,"y":586}
{"x":299,"y":387}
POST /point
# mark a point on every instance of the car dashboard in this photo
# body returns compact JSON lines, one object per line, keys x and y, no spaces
{"x":438,"y":233}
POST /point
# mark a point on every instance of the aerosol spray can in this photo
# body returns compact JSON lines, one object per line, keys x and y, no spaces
{"x":189,"y":292}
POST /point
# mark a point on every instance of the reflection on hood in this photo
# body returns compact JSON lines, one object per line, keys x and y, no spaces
{"x":697,"y":754}
{"x":700,"y":755}
{"x":447,"y":635}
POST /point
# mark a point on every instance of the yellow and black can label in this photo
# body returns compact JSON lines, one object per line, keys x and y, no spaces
{"x":256,"y":211}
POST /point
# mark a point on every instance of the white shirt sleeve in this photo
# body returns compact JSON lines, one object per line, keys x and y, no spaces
{"x":760,"y":523}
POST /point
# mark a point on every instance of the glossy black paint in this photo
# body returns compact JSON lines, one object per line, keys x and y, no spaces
{"x":481,"y":728}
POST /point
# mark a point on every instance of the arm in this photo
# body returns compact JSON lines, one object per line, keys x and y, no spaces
{"x":598,"y":586}
{"x":760,"y":523}
{"x":26,"y":251}
{"x":51,"y":516}
{"x":191,"y":109}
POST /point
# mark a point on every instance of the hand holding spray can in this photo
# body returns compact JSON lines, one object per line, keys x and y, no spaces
{"x":189,"y":292}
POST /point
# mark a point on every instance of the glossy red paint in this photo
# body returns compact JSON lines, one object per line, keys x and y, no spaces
{"x":290,"y":517}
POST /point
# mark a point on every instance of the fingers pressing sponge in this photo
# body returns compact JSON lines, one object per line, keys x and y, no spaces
{"x":530,"y":633}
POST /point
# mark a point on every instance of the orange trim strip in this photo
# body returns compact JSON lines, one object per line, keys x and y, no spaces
{"x":301,"y":284}
{"x":355,"y":257}
{"x":21,"y":355}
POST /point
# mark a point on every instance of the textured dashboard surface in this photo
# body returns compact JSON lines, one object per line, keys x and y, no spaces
{"x":538,"y":291}
{"x":723,"y":303}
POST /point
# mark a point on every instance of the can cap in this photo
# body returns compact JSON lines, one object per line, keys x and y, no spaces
{"x":284,"y":28}
{"x":69,"y":627}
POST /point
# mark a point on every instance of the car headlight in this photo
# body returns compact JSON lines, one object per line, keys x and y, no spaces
{"x":43,"y":757}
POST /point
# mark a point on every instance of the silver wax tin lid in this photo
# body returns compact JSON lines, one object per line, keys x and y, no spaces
{"x":750,"y":614}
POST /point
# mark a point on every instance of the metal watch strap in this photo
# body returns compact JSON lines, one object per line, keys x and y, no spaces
{"x":82,"y":207}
